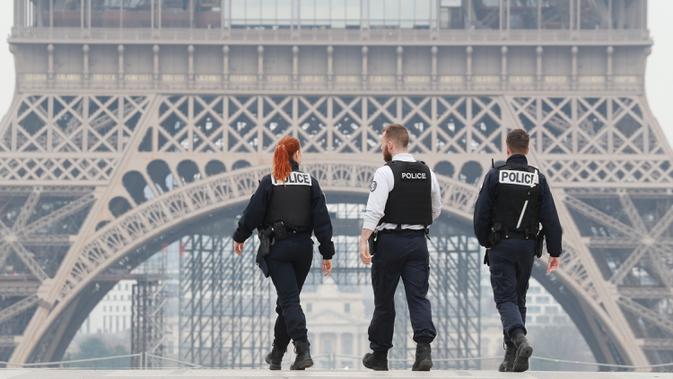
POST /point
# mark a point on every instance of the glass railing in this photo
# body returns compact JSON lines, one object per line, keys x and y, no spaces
{"x":216,"y":20}
{"x":337,"y":14}
{"x":488,"y":18}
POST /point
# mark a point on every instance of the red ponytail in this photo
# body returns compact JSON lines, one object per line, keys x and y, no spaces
{"x":285,"y":150}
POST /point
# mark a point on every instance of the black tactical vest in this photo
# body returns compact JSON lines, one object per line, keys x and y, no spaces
{"x":410,"y":201}
{"x":290,"y":201}
{"x":516,"y":209}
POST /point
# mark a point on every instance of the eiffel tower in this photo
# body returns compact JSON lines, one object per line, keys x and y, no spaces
{"x":136,"y":122}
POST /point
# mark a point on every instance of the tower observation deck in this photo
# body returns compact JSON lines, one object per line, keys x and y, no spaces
{"x":136,"y":121}
{"x":337,"y":45}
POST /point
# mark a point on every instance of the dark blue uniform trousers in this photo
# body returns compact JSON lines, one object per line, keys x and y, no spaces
{"x":400,"y":254}
{"x":289,"y":264}
{"x":511,"y":263}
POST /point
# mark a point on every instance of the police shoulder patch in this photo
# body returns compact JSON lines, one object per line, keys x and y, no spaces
{"x":372,"y":186}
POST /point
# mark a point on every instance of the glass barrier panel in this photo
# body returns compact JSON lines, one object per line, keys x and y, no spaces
{"x":555,"y":14}
{"x":485,"y":14}
{"x":67,"y":13}
{"x":523,"y":14}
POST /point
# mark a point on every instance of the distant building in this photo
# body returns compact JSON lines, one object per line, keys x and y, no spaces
{"x":337,"y":324}
{"x":113,"y":314}
{"x":543,"y":309}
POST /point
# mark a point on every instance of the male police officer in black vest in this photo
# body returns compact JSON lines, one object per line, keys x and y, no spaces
{"x":514,"y":200}
{"x":404,"y":200}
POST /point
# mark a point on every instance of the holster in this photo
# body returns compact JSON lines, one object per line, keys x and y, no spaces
{"x":496,"y":234}
{"x":280,"y":230}
{"x":265,"y":241}
{"x":265,"y":236}
{"x":539,"y":243}
{"x":372,"y":242}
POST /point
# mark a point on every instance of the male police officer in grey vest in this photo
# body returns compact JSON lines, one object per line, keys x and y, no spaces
{"x":514,"y":200}
{"x":404,"y":200}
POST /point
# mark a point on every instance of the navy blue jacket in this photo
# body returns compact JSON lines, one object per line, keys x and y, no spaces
{"x":483,"y":210}
{"x":253,"y":215}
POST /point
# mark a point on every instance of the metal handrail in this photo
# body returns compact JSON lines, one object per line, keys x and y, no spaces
{"x":253,"y":81}
{"x":316,"y":32}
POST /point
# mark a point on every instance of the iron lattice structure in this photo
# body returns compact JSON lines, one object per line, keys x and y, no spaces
{"x":134,"y":122}
{"x":147,"y":322}
{"x":149,"y":303}
{"x":225,"y":304}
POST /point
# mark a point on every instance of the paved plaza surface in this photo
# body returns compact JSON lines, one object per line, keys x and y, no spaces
{"x":253,"y":374}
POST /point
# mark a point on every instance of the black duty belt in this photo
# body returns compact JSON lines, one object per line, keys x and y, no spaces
{"x":398,"y":231}
{"x":301,"y":233}
{"x":518,"y":236}
{"x":281,"y":231}
{"x":293,"y":230}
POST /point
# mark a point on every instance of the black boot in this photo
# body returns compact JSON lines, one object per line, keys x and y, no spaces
{"x":423,"y":358}
{"x":510,"y":353}
{"x":377,"y":361}
{"x":303,"y":360}
{"x":275,"y":357}
{"x":523,"y":351}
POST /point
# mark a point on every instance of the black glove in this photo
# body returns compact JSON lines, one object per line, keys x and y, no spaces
{"x":486,"y":261}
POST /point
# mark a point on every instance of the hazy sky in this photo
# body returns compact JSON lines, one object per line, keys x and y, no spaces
{"x":659,"y":70}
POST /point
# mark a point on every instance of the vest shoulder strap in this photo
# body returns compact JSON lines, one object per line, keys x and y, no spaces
{"x":397,"y":163}
{"x":517,"y":166}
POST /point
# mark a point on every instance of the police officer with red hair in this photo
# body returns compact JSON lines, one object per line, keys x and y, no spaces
{"x":287,"y":207}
